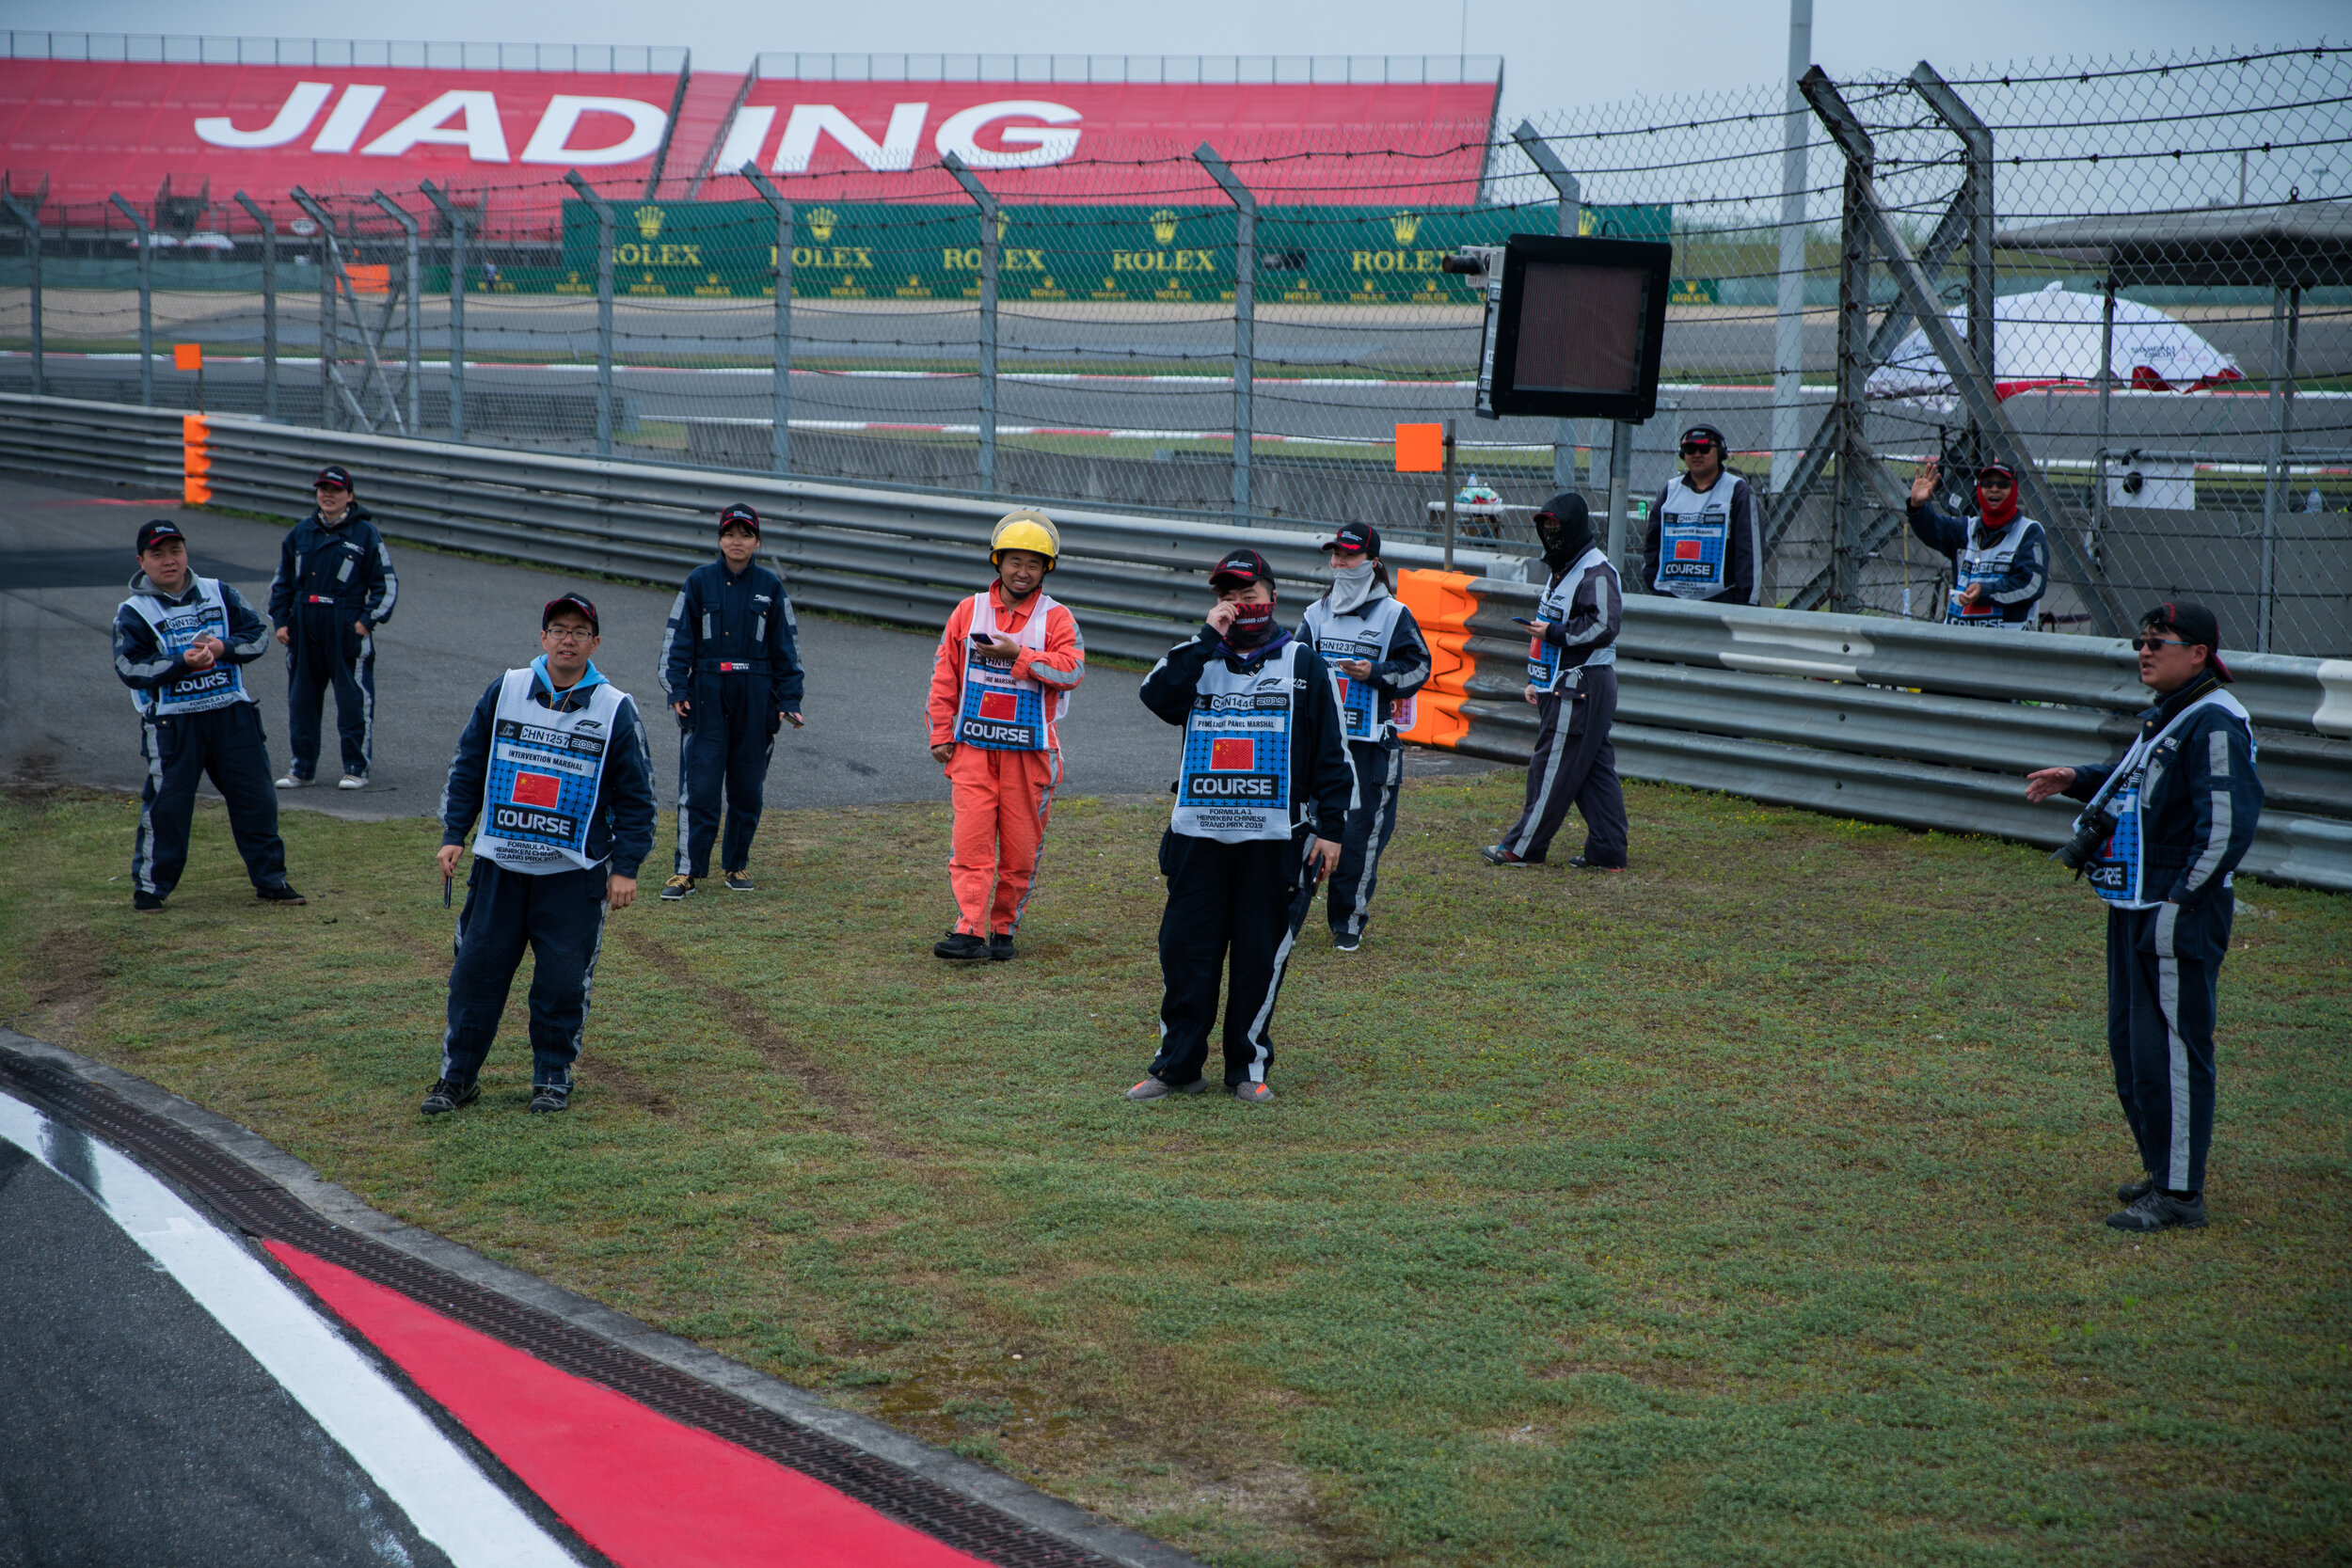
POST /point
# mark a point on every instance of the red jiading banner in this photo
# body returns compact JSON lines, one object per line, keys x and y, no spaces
{"x":88,"y":130}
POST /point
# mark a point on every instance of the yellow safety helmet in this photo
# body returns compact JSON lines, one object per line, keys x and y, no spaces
{"x":1026,"y":530}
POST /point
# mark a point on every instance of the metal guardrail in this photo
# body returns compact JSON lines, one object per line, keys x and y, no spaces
{"x":1881,"y":719}
{"x":1918,"y":726}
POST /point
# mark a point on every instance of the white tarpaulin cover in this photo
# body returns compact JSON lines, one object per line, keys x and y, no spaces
{"x":2052,"y":336}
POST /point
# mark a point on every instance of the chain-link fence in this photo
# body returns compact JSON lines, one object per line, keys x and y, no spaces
{"x":2154,"y":250}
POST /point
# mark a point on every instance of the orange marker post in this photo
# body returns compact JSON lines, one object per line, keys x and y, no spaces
{"x":190,"y":356}
{"x":195,"y":460}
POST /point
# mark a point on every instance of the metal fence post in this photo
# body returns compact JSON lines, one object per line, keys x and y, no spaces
{"x":1244,"y":323}
{"x":990,"y":236}
{"x":2286,"y":314}
{"x":1571,"y":213}
{"x":416,"y":338}
{"x":31,"y":220}
{"x":268,"y":226}
{"x":1620,"y":493}
{"x":452,"y":215}
{"x":1854,"y":355}
{"x":147,"y":301}
{"x":1789,"y":335}
{"x":1975,"y":199}
{"x":603,"y":210}
{"x":780,"y":419}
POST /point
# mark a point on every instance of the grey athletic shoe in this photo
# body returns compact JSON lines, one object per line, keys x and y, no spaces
{"x":1156,"y":1088}
{"x":2132,"y":1192}
{"x":446,"y":1096}
{"x":1253,"y":1094}
{"x":2158,"y":1210}
{"x":352,"y":781}
{"x":1495,"y":854}
{"x":546,"y":1098}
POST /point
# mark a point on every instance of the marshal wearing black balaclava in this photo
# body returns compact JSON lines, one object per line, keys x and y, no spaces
{"x":1565,"y":528}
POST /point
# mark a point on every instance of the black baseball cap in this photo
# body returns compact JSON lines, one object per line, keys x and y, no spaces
{"x":2196,"y":625}
{"x":333,"y":477}
{"x":581,"y":603}
{"x":1243,"y":566}
{"x":151,"y":533}
{"x":739,"y":513}
{"x":2002,"y":468}
{"x":1361,"y":537}
{"x":1704,"y":432}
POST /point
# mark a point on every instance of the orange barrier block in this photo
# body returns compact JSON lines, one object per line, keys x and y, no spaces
{"x":371,"y":278}
{"x":195,"y":460}
{"x":1442,"y":605}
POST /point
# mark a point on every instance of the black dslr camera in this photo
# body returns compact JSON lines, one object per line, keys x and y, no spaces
{"x":2092,"y":833}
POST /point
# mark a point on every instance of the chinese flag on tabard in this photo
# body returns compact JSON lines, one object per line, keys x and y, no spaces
{"x":1689,"y":549}
{"x":999,"y":704}
{"x":1233,"y":754}
{"x":537,"y":789}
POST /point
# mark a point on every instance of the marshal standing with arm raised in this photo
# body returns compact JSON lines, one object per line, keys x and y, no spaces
{"x":554,"y":764}
{"x":2000,"y":561}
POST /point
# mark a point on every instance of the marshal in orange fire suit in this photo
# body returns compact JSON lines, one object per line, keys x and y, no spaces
{"x":994,"y":725}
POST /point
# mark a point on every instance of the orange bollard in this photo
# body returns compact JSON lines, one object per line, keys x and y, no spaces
{"x":195,"y":460}
{"x":1442,"y":605}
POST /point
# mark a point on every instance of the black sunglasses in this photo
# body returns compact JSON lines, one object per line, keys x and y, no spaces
{"x":2149,"y":645}
{"x":1692,"y":449}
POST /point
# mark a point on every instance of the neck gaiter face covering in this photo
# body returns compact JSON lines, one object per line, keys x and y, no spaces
{"x":1350,"y":587}
{"x":1253,"y":624}
{"x":1988,"y":517}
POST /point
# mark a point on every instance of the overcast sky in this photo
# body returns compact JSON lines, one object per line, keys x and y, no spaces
{"x":1558,"y":54}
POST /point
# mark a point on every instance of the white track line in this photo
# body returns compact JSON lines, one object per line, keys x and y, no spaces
{"x":453,"y":1504}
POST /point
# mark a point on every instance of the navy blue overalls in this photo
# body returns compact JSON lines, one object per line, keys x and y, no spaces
{"x":729,"y":652}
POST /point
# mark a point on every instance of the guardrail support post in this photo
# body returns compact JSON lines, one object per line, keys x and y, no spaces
{"x":454,"y":217}
{"x":147,"y":301}
{"x":603,"y":210}
{"x":991,"y":226}
{"x":268,"y":227}
{"x":780,"y":419}
{"x":1571,"y":213}
{"x":1246,"y":326}
{"x":416,"y":323}
{"x":31,"y":220}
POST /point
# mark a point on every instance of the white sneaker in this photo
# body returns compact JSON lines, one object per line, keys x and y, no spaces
{"x":352,"y":781}
{"x":289,"y":781}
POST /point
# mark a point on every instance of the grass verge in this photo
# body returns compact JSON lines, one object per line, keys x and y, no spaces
{"x":1742,"y":1209}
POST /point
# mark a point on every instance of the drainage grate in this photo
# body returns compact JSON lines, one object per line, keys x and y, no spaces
{"x":259,"y":1208}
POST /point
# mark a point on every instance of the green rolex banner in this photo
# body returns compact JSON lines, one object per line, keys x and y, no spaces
{"x":875,"y":250}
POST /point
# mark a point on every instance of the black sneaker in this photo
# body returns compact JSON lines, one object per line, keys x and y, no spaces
{"x":2132,"y":1192}
{"x":676,"y":888}
{"x":146,"y":903}
{"x":446,"y":1096}
{"x":1347,"y":942}
{"x":1582,"y":864}
{"x":281,"y":894}
{"x":548,"y":1098}
{"x":2157,"y":1210}
{"x":1000,"y":947}
{"x":960,"y":944}
{"x":739,"y":881}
